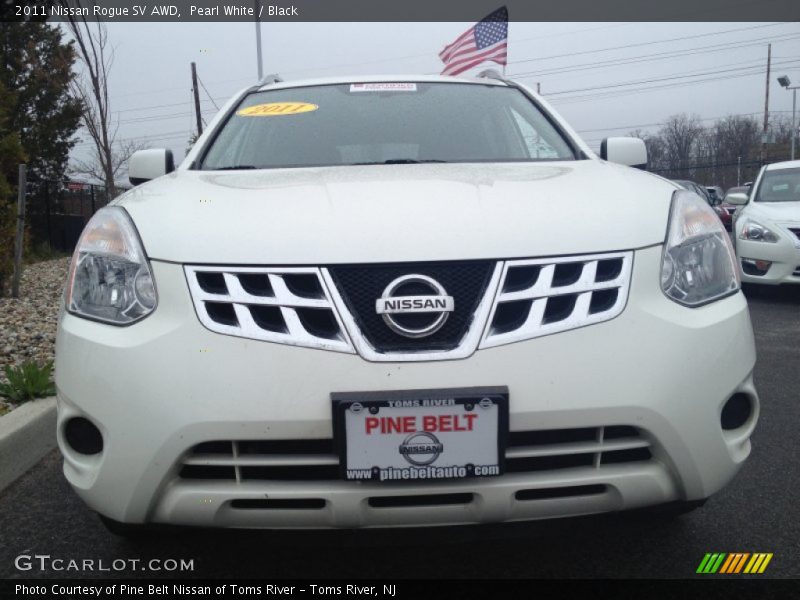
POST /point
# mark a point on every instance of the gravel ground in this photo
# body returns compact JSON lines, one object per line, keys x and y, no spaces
{"x":28,"y":323}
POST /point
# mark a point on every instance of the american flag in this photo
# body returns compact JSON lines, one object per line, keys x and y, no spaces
{"x":486,"y":40}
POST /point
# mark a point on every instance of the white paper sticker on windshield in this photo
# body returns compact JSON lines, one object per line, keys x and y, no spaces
{"x":383,"y":87}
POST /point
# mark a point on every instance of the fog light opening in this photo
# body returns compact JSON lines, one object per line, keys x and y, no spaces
{"x":755,"y":267}
{"x":736,"y":412}
{"x":83,"y":436}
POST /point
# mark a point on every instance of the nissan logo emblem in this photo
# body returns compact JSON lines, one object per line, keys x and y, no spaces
{"x":421,"y":448}
{"x":414,"y":315}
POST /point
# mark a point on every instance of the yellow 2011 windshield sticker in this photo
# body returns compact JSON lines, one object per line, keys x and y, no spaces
{"x":274,"y":109}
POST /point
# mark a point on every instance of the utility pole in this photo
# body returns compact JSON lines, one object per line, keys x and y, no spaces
{"x":258,"y":40}
{"x":738,"y":171}
{"x":794,"y":126}
{"x":538,"y":88}
{"x":196,"y":100}
{"x":766,"y":108}
{"x":22,"y":184}
{"x":786,"y":83}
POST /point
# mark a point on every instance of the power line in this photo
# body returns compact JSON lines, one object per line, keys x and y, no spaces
{"x":631,"y":127}
{"x":641,"y":44}
{"x":212,"y":100}
{"x":657,"y":56}
{"x":510,"y":63}
{"x":620,"y":93}
{"x":669,"y":78}
{"x":203,"y":85}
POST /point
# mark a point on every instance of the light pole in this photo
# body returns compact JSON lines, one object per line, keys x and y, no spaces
{"x":784,"y":81}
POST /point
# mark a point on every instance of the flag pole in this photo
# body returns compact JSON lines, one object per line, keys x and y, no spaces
{"x":508,"y":42}
{"x":258,"y":39}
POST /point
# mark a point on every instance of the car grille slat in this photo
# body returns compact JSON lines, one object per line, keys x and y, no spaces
{"x":261,"y":460}
{"x":568,"y":293}
{"x":316,"y":460}
{"x":579,"y":448}
{"x":258,"y":303}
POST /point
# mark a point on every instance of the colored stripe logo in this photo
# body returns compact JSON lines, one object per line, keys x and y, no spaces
{"x":734,"y":563}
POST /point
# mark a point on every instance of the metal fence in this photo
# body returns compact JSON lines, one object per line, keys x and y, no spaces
{"x":724,"y":174}
{"x":57,"y":211}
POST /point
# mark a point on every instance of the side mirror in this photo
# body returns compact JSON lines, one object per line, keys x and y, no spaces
{"x":145,"y":165}
{"x":625,"y":151}
{"x":737,"y":198}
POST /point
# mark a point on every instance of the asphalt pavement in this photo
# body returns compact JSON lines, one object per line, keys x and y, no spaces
{"x":757,"y":512}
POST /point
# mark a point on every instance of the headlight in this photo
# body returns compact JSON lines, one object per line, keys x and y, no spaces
{"x":699,"y":264}
{"x":756,"y":232}
{"x":109,"y":277}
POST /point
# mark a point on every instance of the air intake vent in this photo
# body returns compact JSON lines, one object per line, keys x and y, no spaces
{"x":317,"y":460}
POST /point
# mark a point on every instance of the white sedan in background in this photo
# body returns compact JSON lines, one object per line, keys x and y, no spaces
{"x":768,"y":226}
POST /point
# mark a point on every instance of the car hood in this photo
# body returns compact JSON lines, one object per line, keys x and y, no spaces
{"x":780,"y":212}
{"x":388,"y":213}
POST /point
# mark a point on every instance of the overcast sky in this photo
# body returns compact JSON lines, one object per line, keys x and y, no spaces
{"x":714,"y":70}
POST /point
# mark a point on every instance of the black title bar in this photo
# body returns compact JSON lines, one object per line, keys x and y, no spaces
{"x":399,"y":10}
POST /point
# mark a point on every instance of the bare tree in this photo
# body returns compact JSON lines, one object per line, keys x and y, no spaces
{"x":120,"y":153}
{"x":737,"y":139}
{"x":97,"y":57}
{"x":780,"y":128}
{"x":655,"y":149}
{"x":680,"y":134}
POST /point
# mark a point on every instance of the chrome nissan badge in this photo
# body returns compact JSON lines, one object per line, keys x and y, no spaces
{"x":409,"y":311}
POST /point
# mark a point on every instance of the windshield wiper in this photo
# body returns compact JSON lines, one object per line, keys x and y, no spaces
{"x":235,"y":167}
{"x":400,"y":161}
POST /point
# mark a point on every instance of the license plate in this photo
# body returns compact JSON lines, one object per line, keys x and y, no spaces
{"x":421,"y":434}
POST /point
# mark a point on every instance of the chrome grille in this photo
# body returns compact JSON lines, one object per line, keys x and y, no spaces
{"x":515,"y":300}
{"x":543,"y":296}
{"x":285,"y":305}
{"x":315,"y":460}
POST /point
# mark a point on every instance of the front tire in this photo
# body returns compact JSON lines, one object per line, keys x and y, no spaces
{"x":671,"y":510}
{"x":752,"y":290}
{"x":129,"y":531}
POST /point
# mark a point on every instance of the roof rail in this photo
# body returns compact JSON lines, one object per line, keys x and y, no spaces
{"x":271,"y":78}
{"x":492,"y":74}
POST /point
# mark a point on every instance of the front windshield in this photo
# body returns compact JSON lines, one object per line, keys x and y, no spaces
{"x":384,"y":123}
{"x":780,"y":185}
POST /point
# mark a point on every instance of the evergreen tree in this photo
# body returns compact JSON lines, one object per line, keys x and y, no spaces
{"x":11,"y":156}
{"x":37,"y":70}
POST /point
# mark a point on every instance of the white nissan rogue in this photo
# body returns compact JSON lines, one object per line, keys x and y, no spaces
{"x":400,"y":302}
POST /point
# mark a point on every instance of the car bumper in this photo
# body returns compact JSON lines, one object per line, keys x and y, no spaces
{"x":784,"y":257}
{"x":158,"y":388}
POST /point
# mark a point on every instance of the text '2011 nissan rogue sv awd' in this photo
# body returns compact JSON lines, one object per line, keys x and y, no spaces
{"x":400,"y":302}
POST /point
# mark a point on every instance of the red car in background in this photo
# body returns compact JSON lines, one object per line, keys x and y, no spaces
{"x":731,"y":208}
{"x":713,"y":201}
